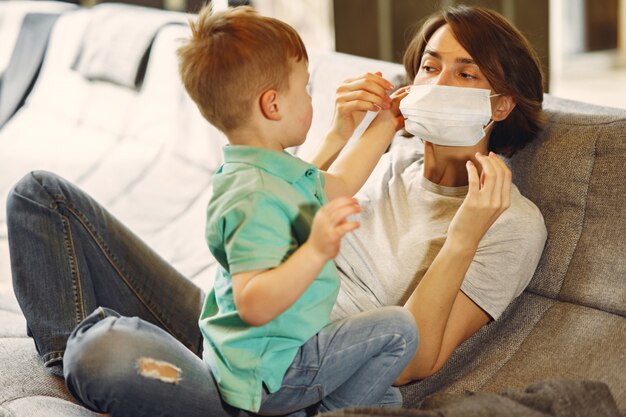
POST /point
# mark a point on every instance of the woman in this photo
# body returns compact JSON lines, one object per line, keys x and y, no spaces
{"x":69,"y":256}
{"x":410,"y":249}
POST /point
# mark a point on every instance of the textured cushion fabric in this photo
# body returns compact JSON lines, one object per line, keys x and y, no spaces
{"x":44,"y":406}
{"x":574,"y":173}
{"x":546,"y":398}
{"x":537,"y":338}
{"x":23,"y":376}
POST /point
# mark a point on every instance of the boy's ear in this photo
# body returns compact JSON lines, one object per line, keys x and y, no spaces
{"x":503,"y":107}
{"x":269,"y":105}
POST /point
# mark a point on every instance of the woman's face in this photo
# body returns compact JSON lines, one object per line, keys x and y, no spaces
{"x":446,"y":62}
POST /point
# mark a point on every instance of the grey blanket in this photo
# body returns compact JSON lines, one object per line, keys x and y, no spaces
{"x":554,"y":398}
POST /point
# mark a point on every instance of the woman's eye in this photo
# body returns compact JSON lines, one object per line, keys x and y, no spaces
{"x":467,"y":76}
{"x":428,"y":68}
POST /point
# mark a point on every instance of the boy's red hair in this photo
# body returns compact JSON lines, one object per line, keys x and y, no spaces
{"x":232,"y":57}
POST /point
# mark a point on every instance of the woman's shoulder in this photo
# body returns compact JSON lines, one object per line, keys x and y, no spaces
{"x":523,"y":218}
{"x":522,"y":207}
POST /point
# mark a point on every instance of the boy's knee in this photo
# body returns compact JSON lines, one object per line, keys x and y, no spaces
{"x":32,"y":187}
{"x":399,"y":320}
{"x":97,"y":347}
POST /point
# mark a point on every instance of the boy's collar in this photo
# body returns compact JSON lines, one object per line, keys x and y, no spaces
{"x":280,"y":164}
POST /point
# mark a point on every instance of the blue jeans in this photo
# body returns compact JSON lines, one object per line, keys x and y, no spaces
{"x":69,"y":256}
{"x":126,"y":366}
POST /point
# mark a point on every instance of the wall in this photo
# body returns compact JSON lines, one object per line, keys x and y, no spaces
{"x":381,"y":29}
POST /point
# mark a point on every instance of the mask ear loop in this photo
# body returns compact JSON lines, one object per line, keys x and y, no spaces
{"x":485,"y":127}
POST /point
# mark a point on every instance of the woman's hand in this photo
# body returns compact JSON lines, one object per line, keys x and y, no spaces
{"x":488,"y":197}
{"x":355,"y":97}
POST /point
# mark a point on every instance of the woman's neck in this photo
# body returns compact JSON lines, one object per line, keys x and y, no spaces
{"x":445,"y":165}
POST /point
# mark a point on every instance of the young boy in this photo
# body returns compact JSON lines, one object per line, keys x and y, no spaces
{"x":268,"y":337}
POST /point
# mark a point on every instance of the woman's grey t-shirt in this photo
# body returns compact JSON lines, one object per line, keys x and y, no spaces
{"x":404,"y":224}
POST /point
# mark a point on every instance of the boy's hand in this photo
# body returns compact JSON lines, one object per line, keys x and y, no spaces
{"x":355,"y":97}
{"x":487,"y":198}
{"x":392,"y":117}
{"x":330,"y":225}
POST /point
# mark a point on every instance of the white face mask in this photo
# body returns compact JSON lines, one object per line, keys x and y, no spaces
{"x":446,"y":115}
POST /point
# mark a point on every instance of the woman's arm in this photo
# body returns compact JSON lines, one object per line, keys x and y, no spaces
{"x":444,"y":315}
{"x":355,"y":97}
{"x":348,"y":173}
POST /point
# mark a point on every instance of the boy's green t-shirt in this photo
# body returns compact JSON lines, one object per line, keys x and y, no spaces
{"x":261,"y":211}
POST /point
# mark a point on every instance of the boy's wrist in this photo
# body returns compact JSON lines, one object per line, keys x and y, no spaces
{"x":386,"y":122}
{"x":313,"y":255}
{"x":383,"y":129}
{"x":335,"y":137}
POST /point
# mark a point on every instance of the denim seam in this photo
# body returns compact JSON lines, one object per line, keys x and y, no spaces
{"x":115,"y":264}
{"x":50,"y":356}
{"x":76,"y":287}
{"x":57,"y":199}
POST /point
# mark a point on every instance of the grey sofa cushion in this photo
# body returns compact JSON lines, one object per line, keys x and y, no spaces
{"x":536,"y":338}
{"x":44,"y":407}
{"x":574,"y":173}
{"x":24,"y":379}
{"x":547,"y":398}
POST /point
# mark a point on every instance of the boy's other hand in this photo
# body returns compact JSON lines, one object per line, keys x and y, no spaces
{"x":331,"y":224}
{"x":392,"y":116}
{"x":355,"y":97}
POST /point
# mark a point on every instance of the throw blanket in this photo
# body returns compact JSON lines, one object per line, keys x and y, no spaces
{"x":553,"y":398}
{"x":25,"y":63}
{"x":117,"y":41}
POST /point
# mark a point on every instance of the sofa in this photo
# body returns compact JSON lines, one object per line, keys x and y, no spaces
{"x":131,"y":137}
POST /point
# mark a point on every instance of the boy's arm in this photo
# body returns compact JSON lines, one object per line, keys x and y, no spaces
{"x":349,"y":172}
{"x":260,"y":296}
{"x":355,"y":97}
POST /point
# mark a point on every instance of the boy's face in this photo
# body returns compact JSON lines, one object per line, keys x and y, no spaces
{"x":297,"y":105}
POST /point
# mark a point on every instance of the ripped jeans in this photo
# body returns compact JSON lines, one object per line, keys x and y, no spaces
{"x":129,"y":367}
{"x":141,"y":353}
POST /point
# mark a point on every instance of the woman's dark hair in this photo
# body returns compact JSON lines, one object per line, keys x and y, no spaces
{"x":506,"y":59}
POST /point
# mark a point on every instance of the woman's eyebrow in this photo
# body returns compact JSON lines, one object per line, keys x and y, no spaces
{"x":437,"y":55}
